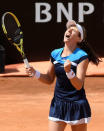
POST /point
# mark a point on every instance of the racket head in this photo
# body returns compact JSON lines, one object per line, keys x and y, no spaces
{"x":12,"y":28}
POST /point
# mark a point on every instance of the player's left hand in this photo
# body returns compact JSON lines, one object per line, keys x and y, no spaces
{"x":67,"y":66}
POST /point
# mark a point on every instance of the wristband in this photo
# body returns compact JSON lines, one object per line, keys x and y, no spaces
{"x":70,"y":74}
{"x":37,"y":74}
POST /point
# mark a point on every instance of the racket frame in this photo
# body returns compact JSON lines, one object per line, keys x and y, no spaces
{"x":19,"y":46}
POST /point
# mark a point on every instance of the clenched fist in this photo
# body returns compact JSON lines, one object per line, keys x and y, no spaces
{"x":67,"y":66}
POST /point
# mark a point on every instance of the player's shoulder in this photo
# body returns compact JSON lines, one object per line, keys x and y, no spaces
{"x":56,"y":52}
{"x":81,"y":52}
{"x":80,"y":55}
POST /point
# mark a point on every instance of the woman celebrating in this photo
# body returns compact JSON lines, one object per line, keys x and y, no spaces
{"x":69,"y":64}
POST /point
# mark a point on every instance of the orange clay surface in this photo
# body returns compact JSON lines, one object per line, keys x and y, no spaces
{"x":25,"y":102}
{"x":19,"y":70}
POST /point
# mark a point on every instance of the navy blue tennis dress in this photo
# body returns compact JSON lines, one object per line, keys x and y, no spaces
{"x":68,"y":104}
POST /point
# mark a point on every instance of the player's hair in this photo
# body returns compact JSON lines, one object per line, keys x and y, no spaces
{"x":84,"y":45}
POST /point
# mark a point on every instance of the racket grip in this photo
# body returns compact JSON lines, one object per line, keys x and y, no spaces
{"x":26,"y":63}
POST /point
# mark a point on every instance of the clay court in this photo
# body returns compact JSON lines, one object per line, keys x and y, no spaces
{"x":25,"y":102}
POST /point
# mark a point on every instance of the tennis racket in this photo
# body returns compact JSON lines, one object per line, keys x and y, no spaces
{"x":12,"y":29}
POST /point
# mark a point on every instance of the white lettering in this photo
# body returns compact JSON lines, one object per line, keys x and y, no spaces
{"x":45,"y":12}
{"x":43,"y":15}
{"x":61,"y":9}
{"x":82,"y":12}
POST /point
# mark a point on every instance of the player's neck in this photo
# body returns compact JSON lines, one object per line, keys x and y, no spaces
{"x":69,"y":49}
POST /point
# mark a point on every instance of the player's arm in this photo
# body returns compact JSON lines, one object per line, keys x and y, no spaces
{"x":78,"y":80}
{"x":47,"y":77}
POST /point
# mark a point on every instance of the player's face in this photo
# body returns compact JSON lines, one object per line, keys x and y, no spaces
{"x":72,"y":35}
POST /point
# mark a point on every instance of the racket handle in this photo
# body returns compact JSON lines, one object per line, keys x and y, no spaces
{"x":26,"y":63}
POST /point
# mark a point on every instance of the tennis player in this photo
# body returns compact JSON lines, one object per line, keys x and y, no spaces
{"x":69,"y":64}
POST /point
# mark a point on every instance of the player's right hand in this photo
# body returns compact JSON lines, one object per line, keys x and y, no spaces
{"x":30,"y":71}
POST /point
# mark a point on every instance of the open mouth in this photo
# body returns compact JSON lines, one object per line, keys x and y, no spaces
{"x":67,"y":36}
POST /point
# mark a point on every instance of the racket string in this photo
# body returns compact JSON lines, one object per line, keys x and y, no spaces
{"x":12,"y":29}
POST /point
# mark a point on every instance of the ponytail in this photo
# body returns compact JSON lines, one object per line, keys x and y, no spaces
{"x":88,"y":49}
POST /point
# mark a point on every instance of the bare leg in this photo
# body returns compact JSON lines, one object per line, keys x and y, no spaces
{"x":56,"y":126}
{"x":80,"y":127}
